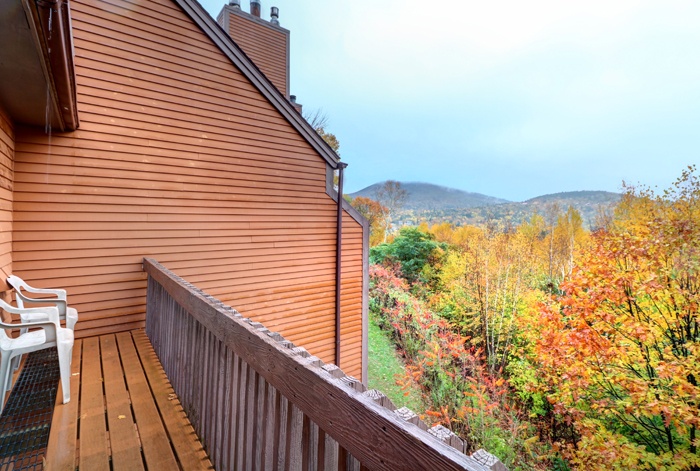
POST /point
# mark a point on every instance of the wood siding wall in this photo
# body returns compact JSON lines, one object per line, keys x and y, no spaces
{"x":266,"y":45}
{"x":7,"y":150}
{"x":351,"y":297}
{"x":179,"y":158}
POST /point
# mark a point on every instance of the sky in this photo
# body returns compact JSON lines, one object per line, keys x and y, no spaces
{"x":510,"y":99}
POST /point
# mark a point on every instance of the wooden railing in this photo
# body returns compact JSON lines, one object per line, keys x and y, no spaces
{"x":259,"y":402}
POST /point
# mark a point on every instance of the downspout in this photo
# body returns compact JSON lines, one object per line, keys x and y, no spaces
{"x":338,"y":256}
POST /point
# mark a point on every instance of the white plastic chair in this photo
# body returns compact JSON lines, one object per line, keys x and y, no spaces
{"x":59,"y":299}
{"x":48,"y":334}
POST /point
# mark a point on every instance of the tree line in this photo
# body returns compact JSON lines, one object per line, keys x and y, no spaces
{"x":551,"y":345}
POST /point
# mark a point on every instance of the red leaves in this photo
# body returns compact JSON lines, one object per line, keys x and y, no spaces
{"x":440,"y":360}
{"x":619,"y":346}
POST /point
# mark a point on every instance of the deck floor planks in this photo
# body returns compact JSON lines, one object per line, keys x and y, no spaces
{"x":118,"y":381}
{"x":187,"y":446}
{"x":64,"y":425}
{"x":154,"y":439}
{"x":125,"y":446}
{"x":94,"y":454}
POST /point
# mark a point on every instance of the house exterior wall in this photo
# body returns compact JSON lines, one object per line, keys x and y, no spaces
{"x":266,"y":45}
{"x":352,"y":323}
{"x":180,"y":158}
{"x":7,"y":149}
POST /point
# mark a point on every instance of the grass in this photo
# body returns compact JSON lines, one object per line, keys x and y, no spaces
{"x":384,"y":364}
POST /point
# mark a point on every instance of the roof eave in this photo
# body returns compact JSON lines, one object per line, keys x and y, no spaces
{"x":53,"y":21}
{"x":50,"y":25}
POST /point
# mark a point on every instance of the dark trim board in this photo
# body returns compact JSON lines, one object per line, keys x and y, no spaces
{"x":221,"y":38}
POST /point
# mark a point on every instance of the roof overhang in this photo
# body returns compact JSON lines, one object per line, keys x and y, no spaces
{"x":37,"y":74}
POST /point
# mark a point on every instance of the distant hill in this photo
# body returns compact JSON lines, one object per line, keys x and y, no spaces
{"x":435,"y":204}
{"x":585,"y":197}
{"x":587,"y":203}
{"x":427,"y":197}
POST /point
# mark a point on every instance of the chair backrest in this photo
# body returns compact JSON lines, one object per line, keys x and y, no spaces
{"x":16,"y":282}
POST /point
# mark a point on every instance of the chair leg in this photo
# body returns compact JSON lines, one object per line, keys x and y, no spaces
{"x":18,"y":358}
{"x":5,"y":363}
{"x":64,"y":361}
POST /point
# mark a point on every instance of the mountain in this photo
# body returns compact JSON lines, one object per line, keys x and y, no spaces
{"x":578,"y":197}
{"x":427,"y":197}
{"x":435,"y":204}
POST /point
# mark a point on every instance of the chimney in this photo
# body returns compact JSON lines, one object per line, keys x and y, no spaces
{"x":255,"y":8}
{"x":266,"y":43}
{"x":297,"y":106}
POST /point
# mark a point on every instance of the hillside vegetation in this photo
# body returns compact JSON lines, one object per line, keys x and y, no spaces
{"x":552,"y":346}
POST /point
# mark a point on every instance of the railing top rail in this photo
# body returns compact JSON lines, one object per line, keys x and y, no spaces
{"x":373,"y":434}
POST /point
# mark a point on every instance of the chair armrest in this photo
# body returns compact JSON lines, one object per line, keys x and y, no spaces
{"x":50,"y":328}
{"x":28,"y":318}
{"x":61,"y":304}
{"x":50,"y":312}
{"x":59,"y":293}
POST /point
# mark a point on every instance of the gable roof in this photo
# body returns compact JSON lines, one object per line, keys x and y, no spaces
{"x":216,"y":33}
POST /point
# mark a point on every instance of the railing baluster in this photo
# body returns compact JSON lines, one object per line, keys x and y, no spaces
{"x":260,"y":416}
{"x":240,"y":415}
{"x":220,"y":408}
{"x":281,"y":433}
{"x":233,"y":418}
{"x":251,"y":410}
{"x":295,"y":426}
{"x":272,"y":423}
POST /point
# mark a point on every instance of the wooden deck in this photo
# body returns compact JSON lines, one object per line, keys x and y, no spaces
{"x":123,"y":413}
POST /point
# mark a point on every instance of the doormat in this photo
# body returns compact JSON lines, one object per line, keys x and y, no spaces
{"x":26,"y":419}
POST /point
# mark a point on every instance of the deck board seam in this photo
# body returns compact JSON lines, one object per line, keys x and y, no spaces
{"x":153,"y":398}
{"x":144,"y":348}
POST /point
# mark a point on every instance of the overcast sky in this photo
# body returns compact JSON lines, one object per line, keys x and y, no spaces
{"x":511,"y":99}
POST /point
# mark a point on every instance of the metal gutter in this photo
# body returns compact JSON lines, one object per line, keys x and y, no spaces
{"x":52,"y":26}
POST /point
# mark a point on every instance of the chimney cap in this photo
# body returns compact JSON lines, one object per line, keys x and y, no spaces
{"x":275,"y":16}
{"x":235,"y":3}
{"x":255,"y":8}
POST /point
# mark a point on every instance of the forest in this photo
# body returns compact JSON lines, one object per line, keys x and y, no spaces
{"x":548,"y":344}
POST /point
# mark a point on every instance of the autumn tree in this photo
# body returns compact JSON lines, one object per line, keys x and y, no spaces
{"x":551,"y":213}
{"x":483,"y":283}
{"x":319,"y":122}
{"x":374,"y":212}
{"x":568,"y":236}
{"x":414,"y":251}
{"x":392,"y":196}
{"x":619,"y":350}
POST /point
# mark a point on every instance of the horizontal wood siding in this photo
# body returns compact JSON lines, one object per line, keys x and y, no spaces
{"x":351,"y":298}
{"x":7,"y":150}
{"x":265,"y":45}
{"x":179,"y":158}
